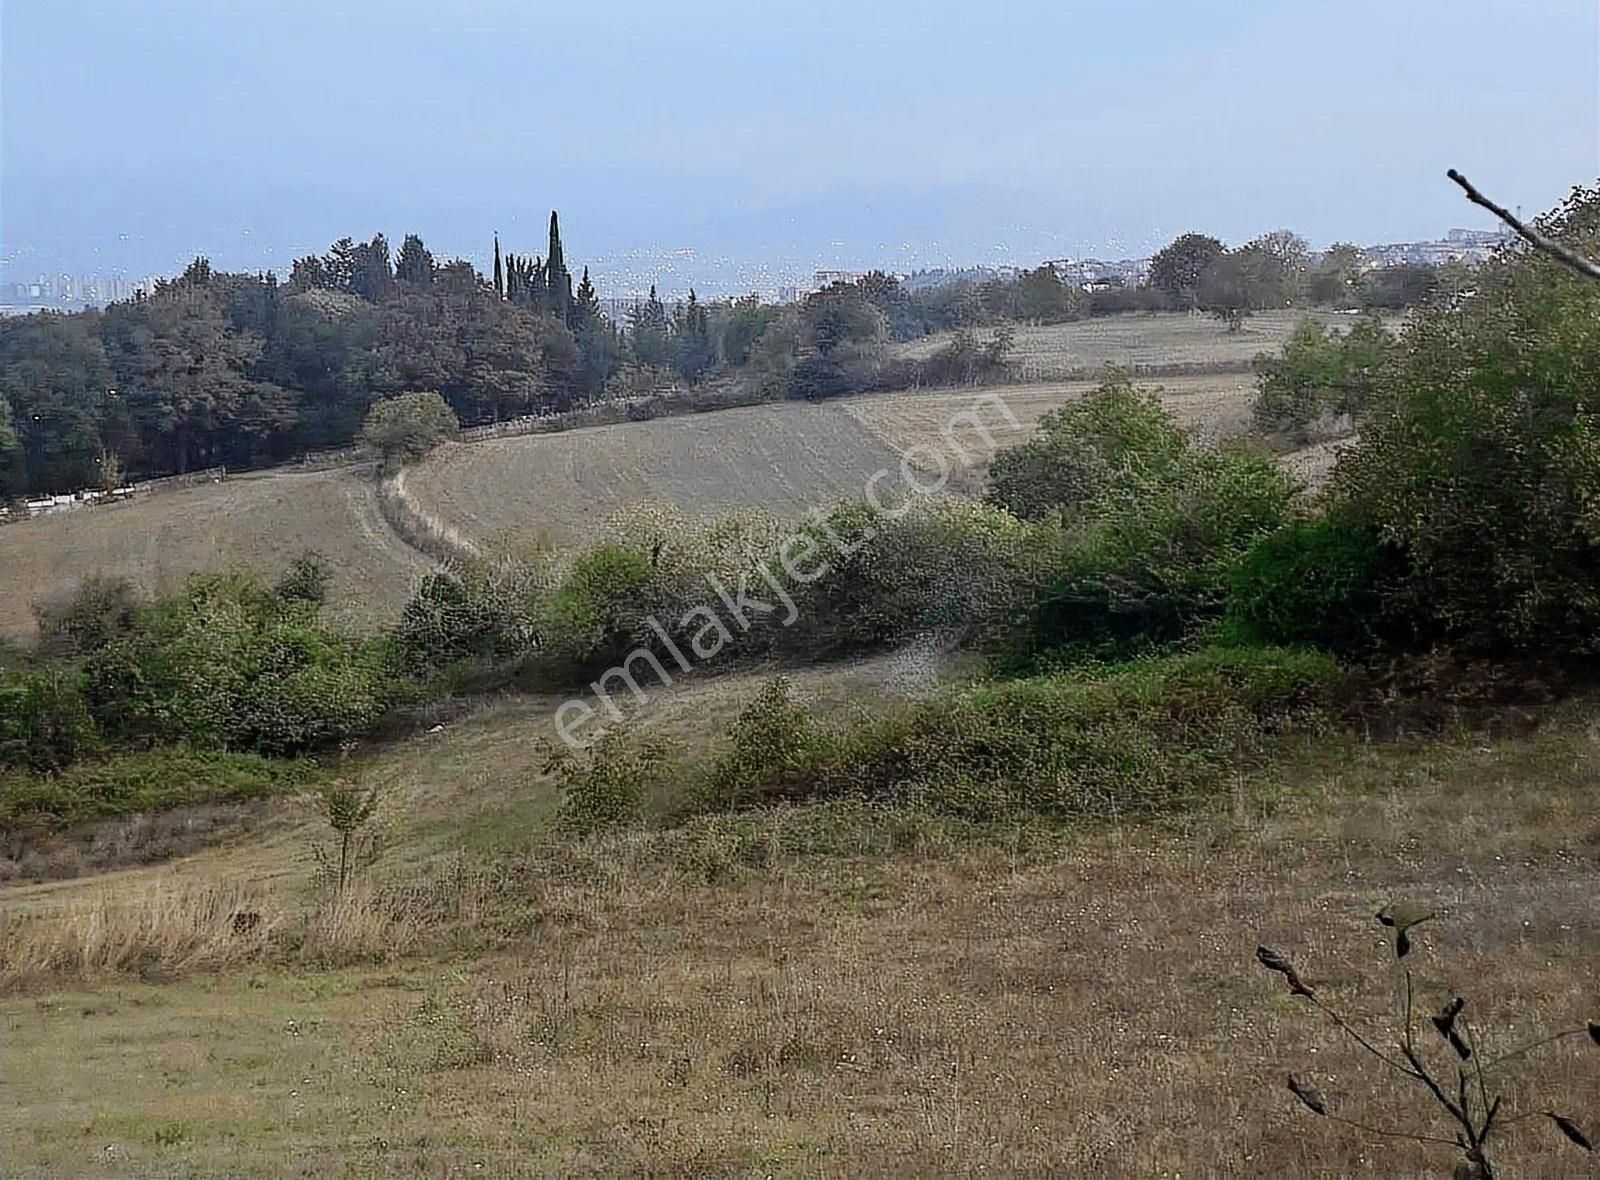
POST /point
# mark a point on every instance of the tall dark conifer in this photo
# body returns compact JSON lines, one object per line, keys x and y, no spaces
{"x":499,"y":273}
{"x":558,"y":280}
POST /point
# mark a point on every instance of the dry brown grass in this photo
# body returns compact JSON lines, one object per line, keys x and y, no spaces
{"x":563,"y":488}
{"x":1054,"y":352}
{"x":721,"y":1002}
{"x":260,"y":522}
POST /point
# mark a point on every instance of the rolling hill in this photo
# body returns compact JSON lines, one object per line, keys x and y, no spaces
{"x":561,"y":489}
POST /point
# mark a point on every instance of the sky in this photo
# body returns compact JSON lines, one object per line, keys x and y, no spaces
{"x":734,"y":142}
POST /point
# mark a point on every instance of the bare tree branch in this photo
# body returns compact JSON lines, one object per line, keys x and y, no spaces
{"x":1562,"y":254}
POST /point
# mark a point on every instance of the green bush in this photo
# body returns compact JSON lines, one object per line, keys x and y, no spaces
{"x":1322,"y":374}
{"x":1151,"y":566}
{"x":230,"y":665}
{"x":1141,"y":739}
{"x":1484,"y":467}
{"x":1086,"y":452}
{"x":966,"y":572}
{"x":306,"y":580}
{"x":597,"y":614}
{"x":609,"y":785}
{"x":151,"y":780}
{"x":776,"y":745}
{"x":87,"y":618}
{"x":1318,"y":582}
{"x":469,"y":613}
{"x":45,"y":723}
{"x":404,"y":428}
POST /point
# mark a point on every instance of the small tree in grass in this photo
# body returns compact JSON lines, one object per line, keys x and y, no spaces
{"x":404,"y":428}
{"x":348,"y":809}
{"x":1467,"y":1091}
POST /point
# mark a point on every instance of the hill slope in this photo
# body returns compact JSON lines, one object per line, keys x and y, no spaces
{"x":260,"y":523}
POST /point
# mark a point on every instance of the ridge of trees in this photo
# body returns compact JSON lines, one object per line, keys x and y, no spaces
{"x":216,"y":368}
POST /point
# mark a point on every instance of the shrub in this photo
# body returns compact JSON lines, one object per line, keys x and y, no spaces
{"x":470,"y":612}
{"x":306,"y":580}
{"x":1145,"y":738}
{"x":1484,"y":468}
{"x":1151,"y":564}
{"x":609,"y":785}
{"x":403,"y":428}
{"x":1084,"y":451}
{"x":230,"y":665}
{"x":1317,"y":582}
{"x":963,"y":571}
{"x":597,"y":614}
{"x":45,"y":723}
{"x":144,"y":781}
{"x":776,"y":745}
{"x":1321,"y":376}
{"x":87,"y":618}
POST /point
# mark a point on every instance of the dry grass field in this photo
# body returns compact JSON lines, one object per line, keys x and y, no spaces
{"x":838,"y":992}
{"x":782,"y":459}
{"x":260,"y":522}
{"x":1055,"y":352}
{"x":562,"y":488}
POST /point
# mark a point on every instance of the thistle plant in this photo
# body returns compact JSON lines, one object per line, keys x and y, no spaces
{"x":1466,"y":1091}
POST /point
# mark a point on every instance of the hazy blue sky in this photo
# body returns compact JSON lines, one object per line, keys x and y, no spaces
{"x":856,"y":131}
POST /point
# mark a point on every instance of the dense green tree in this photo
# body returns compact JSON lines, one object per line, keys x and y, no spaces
{"x":1483,"y":464}
{"x":558,"y":279}
{"x":694,"y":353}
{"x":1179,"y":268}
{"x":647,"y":332}
{"x":414,"y":263}
{"x":1334,"y":281}
{"x":406,"y":427}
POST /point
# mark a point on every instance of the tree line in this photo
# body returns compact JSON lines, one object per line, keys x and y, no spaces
{"x":244,"y":370}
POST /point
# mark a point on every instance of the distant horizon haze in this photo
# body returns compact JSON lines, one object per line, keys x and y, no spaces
{"x":708,"y":144}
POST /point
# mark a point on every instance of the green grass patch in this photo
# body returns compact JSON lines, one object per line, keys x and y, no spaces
{"x":1137,"y":739}
{"x":151,"y":780}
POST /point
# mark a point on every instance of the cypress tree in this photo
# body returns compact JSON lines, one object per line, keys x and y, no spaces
{"x":499,"y":273}
{"x":558,"y":280}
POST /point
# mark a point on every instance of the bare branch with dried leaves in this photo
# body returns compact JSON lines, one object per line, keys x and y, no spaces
{"x":1561,"y":253}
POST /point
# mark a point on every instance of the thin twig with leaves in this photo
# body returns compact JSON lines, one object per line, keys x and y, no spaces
{"x":1473,"y":1106}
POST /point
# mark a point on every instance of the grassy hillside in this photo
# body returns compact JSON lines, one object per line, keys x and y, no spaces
{"x":1058,"y":351}
{"x":561,"y":489}
{"x":259,"y":522}
{"x":833,"y":991}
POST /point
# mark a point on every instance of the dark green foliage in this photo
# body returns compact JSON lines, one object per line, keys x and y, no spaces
{"x":465,"y":614}
{"x":1151,"y":563}
{"x":1116,"y":436}
{"x":962,"y":573}
{"x":45,"y":722}
{"x":609,"y":785}
{"x":220,"y":369}
{"x":404,"y":428}
{"x":306,"y":580}
{"x":145,"y":781}
{"x":231,"y":665}
{"x":596,"y":616}
{"x":1178,"y":269}
{"x":1318,"y":582}
{"x":1484,"y":466}
{"x":777,"y":747}
{"x":1149,"y":527}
